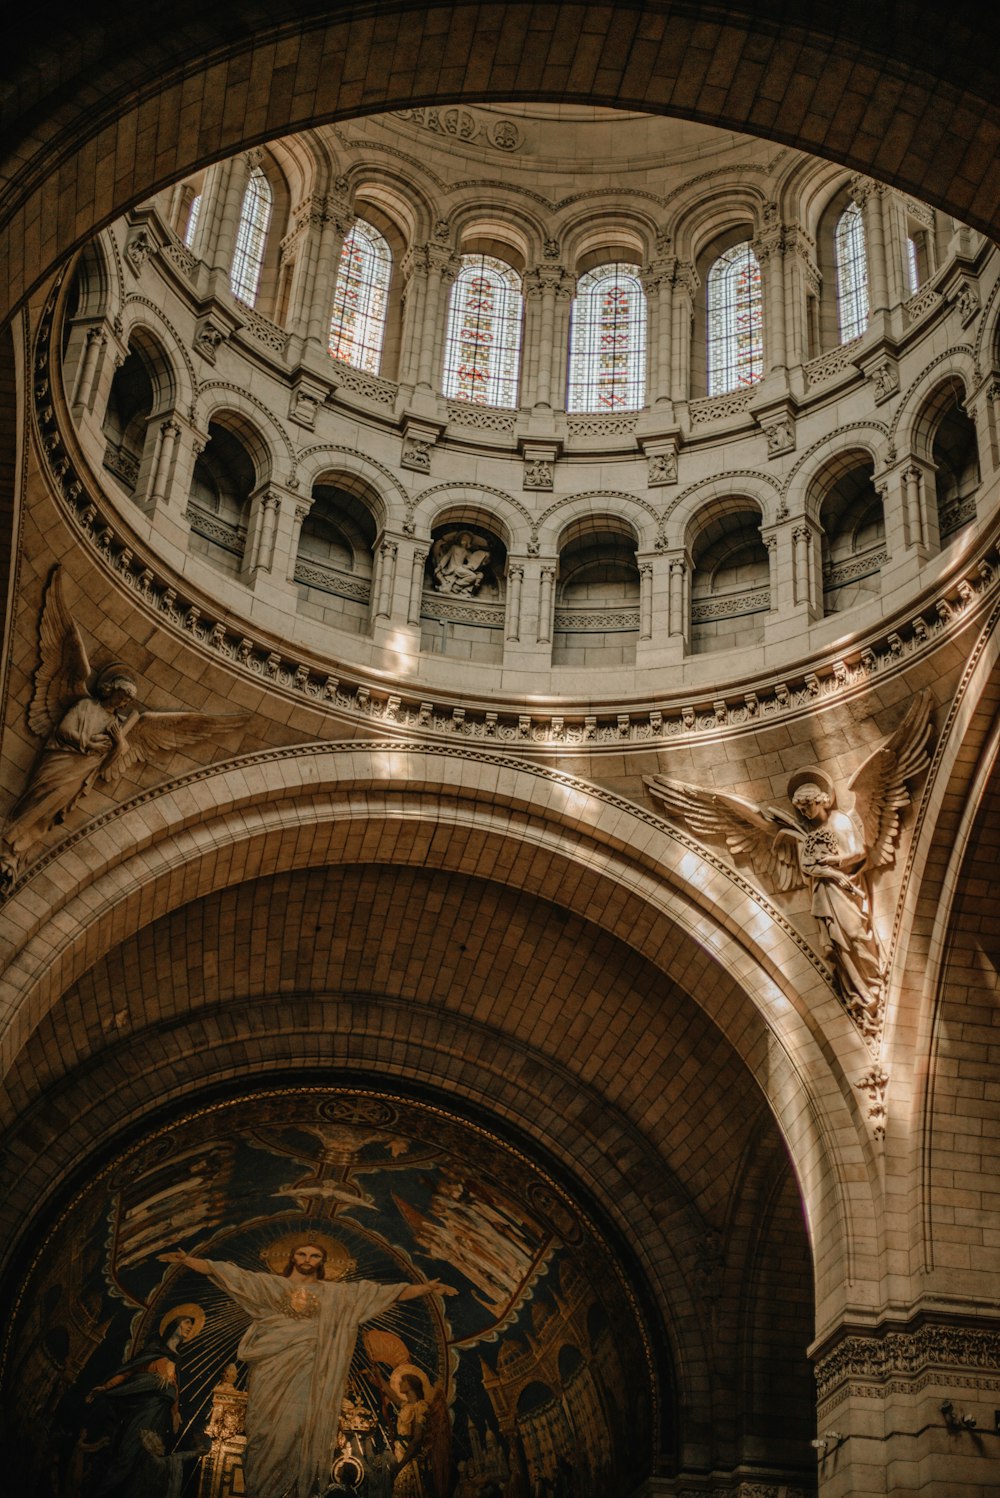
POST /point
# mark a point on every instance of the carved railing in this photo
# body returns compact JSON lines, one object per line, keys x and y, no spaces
{"x":262,"y":328}
{"x":116,"y":460}
{"x":449,"y":609}
{"x":852,"y":569}
{"x":230,"y":537}
{"x":570,"y":621}
{"x":717,"y":407}
{"x":731,"y":606}
{"x":315,"y":574}
{"x":482,"y":418}
{"x":834,"y":362}
{"x":360,"y":382}
{"x":585,"y":424}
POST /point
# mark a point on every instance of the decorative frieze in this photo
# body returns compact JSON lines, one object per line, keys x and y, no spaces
{"x":881,"y":1354}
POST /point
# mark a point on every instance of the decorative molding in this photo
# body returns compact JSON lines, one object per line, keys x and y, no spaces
{"x":874,"y":1084}
{"x":583,"y":425}
{"x":925,"y":300}
{"x":880,"y":1354}
{"x":482,"y":418}
{"x":733,"y":606}
{"x":719,"y":407}
{"x":446,"y":608}
{"x":462,"y":123}
{"x":230,"y":537}
{"x":314,"y":574}
{"x":613,"y":620}
{"x":865,"y":564}
{"x":261,"y":328}
{"x":380,"y":392}
{"x":836,"y":361}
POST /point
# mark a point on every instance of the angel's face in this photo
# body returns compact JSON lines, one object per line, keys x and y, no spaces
{"x":813,"y":808}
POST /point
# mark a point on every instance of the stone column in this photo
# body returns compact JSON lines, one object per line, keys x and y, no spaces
{"x":546,"y":604}
{"x":807,"y":569}
{"x":414,"y":271}
{"x":418,"y":562}
{"x":442,"y":267}
{"x":658,"y":281}
{"x":163,"y":461}
{"x":298,"y":513}
{"x":84,"y":387}
{"x":662,"y":601}
{"x":219,"y":217}
{"x":685,"y":288}
{"x":869,"y":195}
{"x":542,"y":286}
{"x":802,"y":283}
{"x":264,"y":568}
{"x":336,"y":219}
{"x":515,"y":584}
{"x":384,"y":581}
{"x":770,"y":251}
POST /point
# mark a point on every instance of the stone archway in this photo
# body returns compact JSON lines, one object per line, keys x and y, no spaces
{"x":109,"y":109}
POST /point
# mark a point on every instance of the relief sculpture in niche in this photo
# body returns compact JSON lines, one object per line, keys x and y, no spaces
{"x":459,"y":561}
{"x":250,"y":1303}
{"x":832,"y":849}
{"x":91,"y":730}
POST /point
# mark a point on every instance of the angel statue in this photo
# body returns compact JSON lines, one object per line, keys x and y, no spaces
{"x":459,"y":559}
{"x":91,"y":731}
{"x":831,"y":849}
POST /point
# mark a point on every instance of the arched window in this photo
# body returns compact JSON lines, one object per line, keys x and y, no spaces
{"x":357,"y":327}
{"x":483,"y":343}
{"x":735,"y":321}
{"x":251,"y":237}
{"x":607,"y":349}
{"x":192,"y":221}
{"x":852,"y":273}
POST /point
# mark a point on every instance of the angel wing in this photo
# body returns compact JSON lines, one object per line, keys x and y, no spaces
{"x":764,"y":835}
{"x":161,"y":733}
{"x":63,"y":671}
{"x":879,"y":786}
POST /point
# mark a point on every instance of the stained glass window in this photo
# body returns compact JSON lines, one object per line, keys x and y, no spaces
{"x":483,"y":343}
{"x":251,"y":237}
{"x":852,"y":273}
{"x":357,"y":327}
{"x":913,"y":264}
{"x":607,"y":346}
{"x":735,"y":321}
{"x":192,"y":223}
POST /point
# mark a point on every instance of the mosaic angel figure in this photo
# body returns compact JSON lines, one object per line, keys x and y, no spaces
{"x":832,"y":849}
{"x":90,"y":728}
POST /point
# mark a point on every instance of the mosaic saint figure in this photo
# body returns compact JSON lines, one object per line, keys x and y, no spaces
{"x":141,"y":1398}
{"x":299,"y":1345}
{"x":832,"y":850}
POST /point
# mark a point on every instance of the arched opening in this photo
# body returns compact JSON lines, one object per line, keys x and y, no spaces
{"x":462,"y":611}
{"x":224,"y":478}
{"x":853,"y":521}
{"x":141,"y":389}
{"x":333,"y":563}
{"x":954,"y":449}
{"x":597,"y":598}
{"x":731,"y":580}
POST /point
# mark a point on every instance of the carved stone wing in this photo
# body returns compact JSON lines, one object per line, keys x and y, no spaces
{"x":63,"y":671}
{"x":767,"y":837}
{"x":879,"y":786}
{"x":155,"y":734}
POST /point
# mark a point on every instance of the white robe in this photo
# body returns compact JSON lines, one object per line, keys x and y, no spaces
{"x":299,"y":1348}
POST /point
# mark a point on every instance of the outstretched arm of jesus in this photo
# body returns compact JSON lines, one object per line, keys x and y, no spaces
{"x":200,"y":1266}
{"x":432,"y":1287}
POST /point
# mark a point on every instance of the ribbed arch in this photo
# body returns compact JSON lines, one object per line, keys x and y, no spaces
{"x":607,"y":359}
{"x":251,"y":237}
{"x":483,"y":343}
{"x":357,"y":324}
{"x":735,"y":342}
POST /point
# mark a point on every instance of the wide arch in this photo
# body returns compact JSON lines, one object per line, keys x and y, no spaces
{"x":621,"y":867}
{"x":104,"y":117}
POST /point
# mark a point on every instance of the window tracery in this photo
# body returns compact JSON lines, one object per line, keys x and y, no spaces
{"x":735,"y":321}
{"x":251,"y":237}
{"x":852,"y":273}
{"x":607,"y":361}
{"x":483,"y":341}
{"x":360,"y":301}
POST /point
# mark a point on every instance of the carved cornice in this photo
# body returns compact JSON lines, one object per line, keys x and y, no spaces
{"x":881,"y":1354}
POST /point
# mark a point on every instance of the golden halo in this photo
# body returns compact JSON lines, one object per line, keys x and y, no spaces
{"x":196,"y":1314}
{"x":339,"y":1262}
{"x":812,"y":775}
{"x":396,"y":1379}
